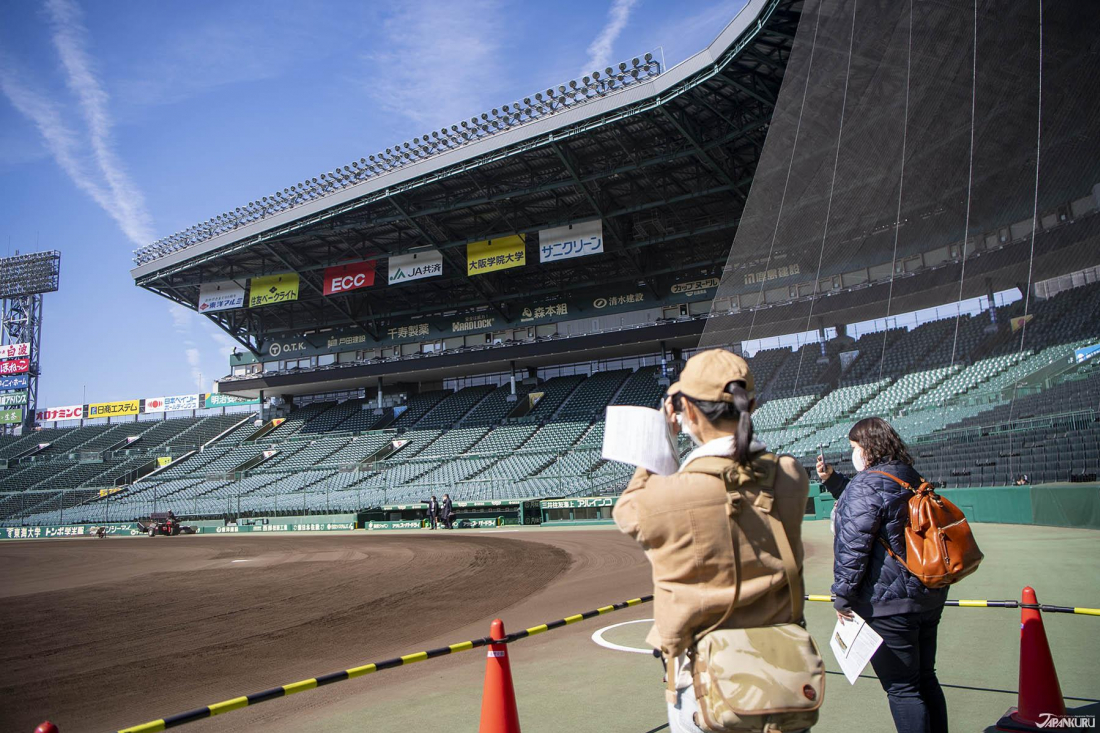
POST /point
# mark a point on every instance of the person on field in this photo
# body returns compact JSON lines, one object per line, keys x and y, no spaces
{"x":433,"y":513}
{"x":873,"y":509}
{"x":448,"y":512}
{"x":716,"y":559}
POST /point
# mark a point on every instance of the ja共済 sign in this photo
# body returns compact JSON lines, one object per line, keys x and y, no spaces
{"x":415,"y":266}
{"x":572,"y":240}
{"x":220,"y":296}
{"x":273,"y":289}
{"x":345,"y":278}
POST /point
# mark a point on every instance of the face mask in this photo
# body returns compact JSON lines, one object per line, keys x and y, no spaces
{"x":857,"y":460}
{"x":686,"y":427}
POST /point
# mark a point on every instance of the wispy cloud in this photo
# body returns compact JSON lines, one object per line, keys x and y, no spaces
{"x":599,"y":52}
{"x":70,"y":40}
{"x":441,"y":61}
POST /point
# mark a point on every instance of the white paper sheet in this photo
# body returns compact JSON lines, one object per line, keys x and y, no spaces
{"x":639,"y":436}
{"x":853,"y":644}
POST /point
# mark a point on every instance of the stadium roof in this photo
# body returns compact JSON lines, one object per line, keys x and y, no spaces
{"x":665,"y":160}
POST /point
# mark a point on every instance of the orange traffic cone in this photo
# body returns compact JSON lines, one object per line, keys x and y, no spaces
{"x":1040,"y":696}
{"x":498,"y":700}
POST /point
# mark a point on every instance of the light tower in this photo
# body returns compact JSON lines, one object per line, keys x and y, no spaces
{"x":23,"y":281}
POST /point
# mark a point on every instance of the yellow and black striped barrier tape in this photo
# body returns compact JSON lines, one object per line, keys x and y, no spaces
{"x":236,"y":703}
{"x":256,"y":698}
{"x":1045,"y":608}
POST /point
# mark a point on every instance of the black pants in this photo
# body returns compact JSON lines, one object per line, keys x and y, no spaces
{"x":906,"y":667}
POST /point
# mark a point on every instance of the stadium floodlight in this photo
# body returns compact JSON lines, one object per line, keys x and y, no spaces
{"x":29,"y":274}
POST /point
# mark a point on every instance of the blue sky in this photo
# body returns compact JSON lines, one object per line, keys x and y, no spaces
{"x":121,"y":122}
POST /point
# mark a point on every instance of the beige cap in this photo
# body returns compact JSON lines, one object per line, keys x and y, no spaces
{"x":706,"y":375}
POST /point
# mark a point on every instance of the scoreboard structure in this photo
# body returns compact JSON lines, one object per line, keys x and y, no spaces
{"x":24,"y":279}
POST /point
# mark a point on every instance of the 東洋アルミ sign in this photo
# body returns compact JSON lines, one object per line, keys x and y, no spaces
{"x":345,"y":278}
{"x":14,"y":351}
{"x":496,"y":254}
{"x":572,"y":240}
{"x":53,"y":414}
{"x":11,"y":417}
{"x":273,"y":289}
{"x":415,"y":266}
{"x":113,"y":409}
{"x":220,"y":296}
{"x":15,"y":366}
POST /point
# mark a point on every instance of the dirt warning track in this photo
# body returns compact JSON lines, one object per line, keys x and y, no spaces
{"x":97,"y":635}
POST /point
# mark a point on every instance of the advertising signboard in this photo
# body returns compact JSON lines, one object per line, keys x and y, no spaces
{"x":220,"y":296}
{"x":572,"y":240}
{"x":18,"y":381}
{"x":227,"y":400}
{"x":273,"y":289}
{"x":415,"y":266}
{"x":15,"y":366}
{"x":53,"y":414}
{"x":491,"y":255}
{"x":120,"y":408}
{"x":13,"y":351}
{"x":11,"y":417}
{"x":345,"y":278}
{"x":12,"y":398}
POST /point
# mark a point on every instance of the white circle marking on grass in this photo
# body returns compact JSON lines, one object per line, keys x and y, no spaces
{"x":597,"y":636}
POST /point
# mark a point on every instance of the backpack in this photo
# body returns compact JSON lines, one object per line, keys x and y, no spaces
{"x":765,"y":678}
{"x":939,"y":546}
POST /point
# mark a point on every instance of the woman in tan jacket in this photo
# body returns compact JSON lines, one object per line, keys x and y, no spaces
{"x":683,"y":521}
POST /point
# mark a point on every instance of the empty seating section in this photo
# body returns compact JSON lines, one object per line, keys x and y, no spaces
{"x":494,"y":408}
{"x":979,"y":403}
{"x":452,"y":408}
{"x":593,"y":395}
{"x":554,"y":393}
{"x":417,"y":407}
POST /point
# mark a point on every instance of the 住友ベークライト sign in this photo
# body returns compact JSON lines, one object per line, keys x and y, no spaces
{"x":415,"y":266}
{"x":273,"y":289}
{"x":491,"y":255}
{"x":572,"y":240}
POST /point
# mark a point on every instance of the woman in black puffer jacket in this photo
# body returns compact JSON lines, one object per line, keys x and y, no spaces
{"x":872,"y":509}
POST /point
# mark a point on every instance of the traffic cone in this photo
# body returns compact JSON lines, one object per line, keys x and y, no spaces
{"x":46,"y":727}
{"x":498,"y":699}
{"x":1040,"y":695}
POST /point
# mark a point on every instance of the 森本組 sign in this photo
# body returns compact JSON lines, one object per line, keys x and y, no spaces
{"x":352,"y":276}
{"x":496,"y":254}
{"x":572,"y":240}
{"x":273,"y":289}
{"x":53,"y":414}
{"x":13,"y":351}
{"x":415,"y":266}
{"x":113,"y":409}
{"x":15,"y":366}
{"x":220,"y":296}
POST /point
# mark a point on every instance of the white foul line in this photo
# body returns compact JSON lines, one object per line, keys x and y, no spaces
{"x":597,"y":636}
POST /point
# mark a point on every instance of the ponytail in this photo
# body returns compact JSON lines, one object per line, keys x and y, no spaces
{"x":738,"y":410}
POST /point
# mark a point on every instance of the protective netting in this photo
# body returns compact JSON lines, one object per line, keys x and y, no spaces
{"x":926,"y":155}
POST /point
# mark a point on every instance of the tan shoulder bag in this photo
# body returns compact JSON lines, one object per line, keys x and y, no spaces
{"x":765,"y":679}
